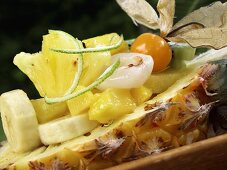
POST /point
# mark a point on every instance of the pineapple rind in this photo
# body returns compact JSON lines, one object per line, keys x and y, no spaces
{"x":77,"y":144}
{"x":7,"y":156}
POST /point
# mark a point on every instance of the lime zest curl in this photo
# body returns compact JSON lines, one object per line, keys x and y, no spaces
{"x":89,"y":50}
{"x":107,"y":73}
{"x":79,"y":71}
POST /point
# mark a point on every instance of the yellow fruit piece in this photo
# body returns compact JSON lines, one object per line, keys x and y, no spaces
{"x":36,"y":67}
{"x":63,"y":66}
{"x":106,"y":40}
{"x":81,"y":103}
{"x":47,"y":112}
{"x":112,"y":104}
{"x":141,"y":94}
{"x":159,"y":82}
{"x":52,"y":72}
{"x":94,"y":65}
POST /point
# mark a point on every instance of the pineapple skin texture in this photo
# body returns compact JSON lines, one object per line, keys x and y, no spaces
{"x":112,"y":104}
{"x":150,"y":134}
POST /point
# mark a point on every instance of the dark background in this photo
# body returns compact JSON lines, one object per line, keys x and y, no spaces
{"x":23,"y":22}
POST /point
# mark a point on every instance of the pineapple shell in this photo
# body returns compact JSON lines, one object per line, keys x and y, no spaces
{"x":140,"y":133}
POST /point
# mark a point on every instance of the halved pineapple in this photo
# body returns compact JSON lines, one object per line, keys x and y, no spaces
{"x":135,"y":135}
{"x":126,"y":139}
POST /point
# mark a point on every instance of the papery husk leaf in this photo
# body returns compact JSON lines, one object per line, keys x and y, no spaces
{"x":166,"y":9}
{"x":204,"y":37}
{"x":140,"y":11}
{"x":209,"y":16}
{"x":184,"y":29}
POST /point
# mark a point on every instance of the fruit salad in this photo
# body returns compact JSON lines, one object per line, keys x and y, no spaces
{"x":106,"y":100}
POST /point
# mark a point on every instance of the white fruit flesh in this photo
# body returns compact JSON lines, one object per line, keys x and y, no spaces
{"x":65,"y":128}
{"x":19,"y":121}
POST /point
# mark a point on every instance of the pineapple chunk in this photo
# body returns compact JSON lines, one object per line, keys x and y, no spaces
{"x":62,"y":65}
{"x":94,"y":65}
{"x":105,"y":40}
{"x":112,"y":104}
{"x":81,"y":103}
{"x":46,"y":112}
{"x":141,"y":94}
{"x":52,"y":73}
{"x":36,"y":67}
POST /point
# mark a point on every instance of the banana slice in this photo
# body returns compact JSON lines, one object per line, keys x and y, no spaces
{"x":65,"y":128}
{"x":19,"y":121}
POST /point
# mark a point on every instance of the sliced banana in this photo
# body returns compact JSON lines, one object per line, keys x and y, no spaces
{"x":19,"y":121}
{"x":65,"y":128}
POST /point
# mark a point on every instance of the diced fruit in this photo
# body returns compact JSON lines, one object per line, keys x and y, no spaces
{"x":156,"y":47}
{"x":81,"y":103}
{"x":141,"y":94}
{"x":94,"y":65}
{"x":65,"y":128}
{"x":112,"y":104}
{"x":106,"y":40}
{"x":19,"y":121}
{"x":47,"y":112}
{"x":181,"y":54}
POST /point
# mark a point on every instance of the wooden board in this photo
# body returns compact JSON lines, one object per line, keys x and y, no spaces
{"x":210,"y":154}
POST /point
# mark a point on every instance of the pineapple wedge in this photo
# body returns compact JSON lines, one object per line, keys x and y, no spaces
{"x":81,"y":103}
{"x":141,"y":94}
{"x":63,"y":66}
{"x":46,"y":112}
{"x":105,"y":40}
{"x":142,"y":132}
{"x":111,"y":104}
{"x":52,"y":73}
{"x":37,"y":68}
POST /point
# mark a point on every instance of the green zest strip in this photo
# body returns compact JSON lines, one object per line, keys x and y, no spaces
{"x":89,"y":50}
{"x":107,"y":73}
{"x":79,"y":72}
